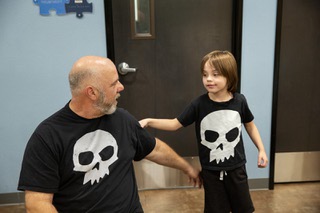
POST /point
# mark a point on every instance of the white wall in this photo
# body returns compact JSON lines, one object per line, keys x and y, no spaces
{"x":36,"y":54}
{"x":257,"y":68}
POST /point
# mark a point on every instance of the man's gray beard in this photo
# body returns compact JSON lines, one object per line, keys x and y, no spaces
{"x":106,"y":109}
{"x":109,"y":110}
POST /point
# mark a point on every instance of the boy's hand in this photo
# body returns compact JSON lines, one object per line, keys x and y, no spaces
{"x":262,"y":160}
{"x":144,"y":123}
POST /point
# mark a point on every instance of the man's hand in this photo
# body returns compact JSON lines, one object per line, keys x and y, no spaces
{"x":164,"y":155}
{"x":194,"y":177}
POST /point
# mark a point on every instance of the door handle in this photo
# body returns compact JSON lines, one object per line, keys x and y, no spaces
{"x":124,"y":68}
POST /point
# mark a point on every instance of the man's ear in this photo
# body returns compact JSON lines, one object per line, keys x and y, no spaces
{"x":92,"y":93}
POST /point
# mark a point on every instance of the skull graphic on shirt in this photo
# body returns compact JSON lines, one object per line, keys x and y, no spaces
{"x":220,"y":132}
{"x":93,"y":154}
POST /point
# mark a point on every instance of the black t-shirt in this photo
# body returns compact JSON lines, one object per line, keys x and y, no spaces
{"x":218,"y":130}
{"x":86,"y":163}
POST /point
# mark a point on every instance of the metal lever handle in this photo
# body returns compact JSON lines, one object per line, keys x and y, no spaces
{"x":124,"y":68}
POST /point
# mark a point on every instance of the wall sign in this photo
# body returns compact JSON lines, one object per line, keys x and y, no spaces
{"x":63,"y":7}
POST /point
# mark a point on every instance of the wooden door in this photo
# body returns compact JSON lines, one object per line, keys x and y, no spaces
{"x":297,"y":121}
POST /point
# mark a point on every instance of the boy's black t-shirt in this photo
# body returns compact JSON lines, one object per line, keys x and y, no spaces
{"x":218,"y":129}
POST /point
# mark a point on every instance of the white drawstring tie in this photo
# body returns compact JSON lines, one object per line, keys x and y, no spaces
{"x":222,"y":173}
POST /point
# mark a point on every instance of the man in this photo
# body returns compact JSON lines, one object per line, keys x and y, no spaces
{"x":80,"y":158}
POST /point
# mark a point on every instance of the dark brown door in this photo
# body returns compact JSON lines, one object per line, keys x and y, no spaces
{"x":168,"y":65}
{"x":297,"y":123}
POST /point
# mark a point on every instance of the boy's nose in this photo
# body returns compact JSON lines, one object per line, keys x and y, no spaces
{"x":209,"y":78}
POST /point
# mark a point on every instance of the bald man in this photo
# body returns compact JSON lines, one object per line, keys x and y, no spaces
{"x":80,"y":158}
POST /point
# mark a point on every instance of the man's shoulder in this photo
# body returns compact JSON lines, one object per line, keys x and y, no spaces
{"x":122,"y":115}
{"x":57,"y":117}
{"x":123,"y":112}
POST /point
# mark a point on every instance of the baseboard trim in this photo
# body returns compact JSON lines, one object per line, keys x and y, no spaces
{"x":12,"y":198}
{"x":259,"y":184}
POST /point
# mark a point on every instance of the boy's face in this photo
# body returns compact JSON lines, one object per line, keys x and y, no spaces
{"x":213,"y":80}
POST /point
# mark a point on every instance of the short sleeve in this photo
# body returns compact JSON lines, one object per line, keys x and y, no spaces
{"x":246,"y":112}
{"x":145,"y":143}
{"x":187,"y":117}
{"x":39,"y":171}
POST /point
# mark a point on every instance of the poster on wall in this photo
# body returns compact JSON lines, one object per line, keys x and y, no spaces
{"x":63,"y":7}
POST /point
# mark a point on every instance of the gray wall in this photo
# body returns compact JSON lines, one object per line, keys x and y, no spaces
{"x":36,"y":54}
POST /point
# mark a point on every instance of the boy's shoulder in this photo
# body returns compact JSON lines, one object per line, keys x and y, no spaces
{"x":239,"y":96}
{"x":200,"y":99}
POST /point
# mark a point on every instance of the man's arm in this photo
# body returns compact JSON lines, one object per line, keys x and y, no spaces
{"x":39,"y":202}
{"x":162,"y":154}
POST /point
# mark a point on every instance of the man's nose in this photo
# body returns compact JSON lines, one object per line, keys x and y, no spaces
{"x":121,"y":87}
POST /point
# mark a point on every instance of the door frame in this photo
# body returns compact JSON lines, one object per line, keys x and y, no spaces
{"x":275,"y":94}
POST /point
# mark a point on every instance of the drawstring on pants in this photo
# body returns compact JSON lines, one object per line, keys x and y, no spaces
{"x":222,"y":173}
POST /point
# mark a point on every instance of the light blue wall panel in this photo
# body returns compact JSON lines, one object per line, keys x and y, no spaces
{"x":258,"y":45}
{"x":36,"y":54}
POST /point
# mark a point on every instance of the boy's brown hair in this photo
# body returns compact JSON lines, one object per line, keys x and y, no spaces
{"x":225,"y":64}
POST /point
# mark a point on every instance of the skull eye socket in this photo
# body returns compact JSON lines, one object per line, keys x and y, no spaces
{"x":107,"y":153}
{"x":211,"y":136}
{"x":85,"y":158}
{"x":232,"y":134}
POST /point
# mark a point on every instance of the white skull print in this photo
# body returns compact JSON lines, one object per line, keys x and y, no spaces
{"x":93,"y":153}
{"x":220,"y":132}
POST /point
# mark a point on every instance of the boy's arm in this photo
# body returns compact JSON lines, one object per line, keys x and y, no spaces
{"x":163,"y":124}
{"x":254,"y":134}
